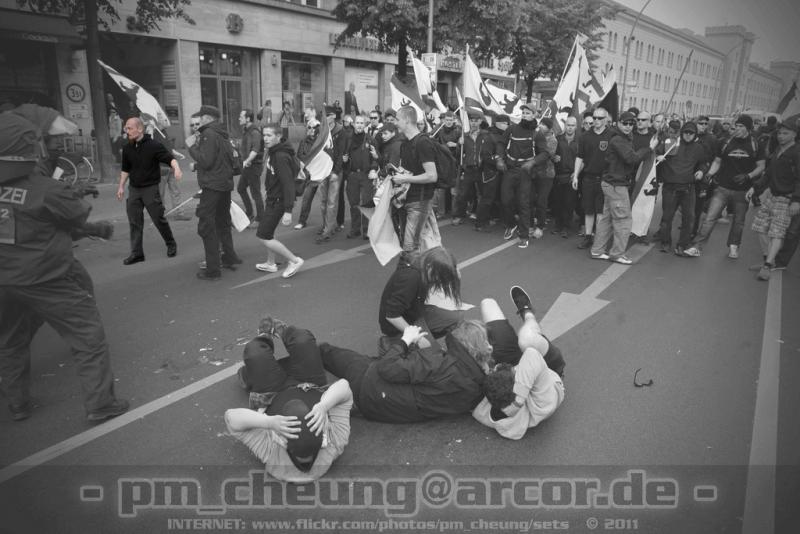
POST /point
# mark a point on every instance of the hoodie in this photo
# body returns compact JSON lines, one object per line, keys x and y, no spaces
{"x":622,"y":160}
{"x":681,"y":163}
{"x":213,"y":157}
{"x":279,"y":174}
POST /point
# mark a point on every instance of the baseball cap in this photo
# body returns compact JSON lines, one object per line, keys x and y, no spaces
{"x":788,"y":125}
{"x":502,"y":118}
{"x":211,"y":111}
{"x":689,"y":127}
{"x":297,"y":402}
{"x":526,"y":106}
{"x":627,"y":116}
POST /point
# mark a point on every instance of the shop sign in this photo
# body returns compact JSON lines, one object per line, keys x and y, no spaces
{"x":75,"y":92}
{"x":27,"y":36}
{"x":451,"y":63}
{"x":359,"y":43}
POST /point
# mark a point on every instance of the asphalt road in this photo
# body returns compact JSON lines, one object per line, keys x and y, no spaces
{"x":681,"y":447}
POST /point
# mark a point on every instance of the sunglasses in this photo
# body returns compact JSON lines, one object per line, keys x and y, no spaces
{"x":689,"y":132}
{"x":195,"y":125}
{"x":598,"y":118}
{"x":628,"y":123}
{"x":373,"y":118}
{"x":702,"y":124}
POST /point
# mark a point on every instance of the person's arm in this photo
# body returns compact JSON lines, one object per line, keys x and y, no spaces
{"x":576,"y":172}
{"x":427,"y":155}
{"x":69,"y":210}
{"x":541,"y":149}
{"x":176,"y":168}
{"x":715,"y":165}
{"x":403,"y":364}
{"x":252,"y":141}
{"x":123,"y":178}
{"x":339,"y":392}
{"x":244,"y":419}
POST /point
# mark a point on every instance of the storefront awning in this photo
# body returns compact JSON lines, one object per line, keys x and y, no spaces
{"x":42,"y":28}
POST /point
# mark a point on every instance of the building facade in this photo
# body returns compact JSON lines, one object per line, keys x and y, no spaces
{"x":239,"y":54}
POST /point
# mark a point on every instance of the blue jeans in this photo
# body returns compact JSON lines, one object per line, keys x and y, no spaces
{"x":308,"y":198}
{"x":515,"y":194}
{"x":616,"y":219}
{"x":672,"y":196}
{"x":724,"y":197}
{"x":328,"y":200}
{"x":420,"y":225}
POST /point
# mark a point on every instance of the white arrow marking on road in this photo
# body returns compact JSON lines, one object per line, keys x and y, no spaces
{"x":570,"y":310}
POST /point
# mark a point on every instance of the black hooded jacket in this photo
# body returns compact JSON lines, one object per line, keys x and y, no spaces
{"x":279,"y":174}
{"x":212,"y":154}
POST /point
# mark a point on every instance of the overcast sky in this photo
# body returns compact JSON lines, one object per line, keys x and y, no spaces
{"x":776,"y":23}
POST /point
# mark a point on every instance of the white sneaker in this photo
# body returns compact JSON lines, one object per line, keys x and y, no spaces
{"x":299,"y":226}
{"x":293,"y":267}
{"x":733,"y":253}
{"x":537,"y":233}
{"x":267,"y":267}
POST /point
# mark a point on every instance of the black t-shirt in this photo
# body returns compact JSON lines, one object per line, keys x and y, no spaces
{"x":402,"y":297}
{"x":593,"y":149}
{"x":413,"y":153}
{"x":738,"y":155}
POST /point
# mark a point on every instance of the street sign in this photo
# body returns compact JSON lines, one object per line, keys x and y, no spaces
{"x":430,"y":61}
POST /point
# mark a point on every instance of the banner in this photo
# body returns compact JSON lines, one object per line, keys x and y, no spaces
{"x":477,"y":97}
{"x":318,"y":162}
{"x":403,"y":95}
{"x":511,"y":102}
{"x":425,"y":86}
{"x":144,"y":101}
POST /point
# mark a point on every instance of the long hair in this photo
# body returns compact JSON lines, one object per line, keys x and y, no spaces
{"x":471,"y":334}
{"x":440,"y":272}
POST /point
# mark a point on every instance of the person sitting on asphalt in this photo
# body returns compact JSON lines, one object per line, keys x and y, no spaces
{"x":522,"y":394}
{"x":416,"y":380}
{"x":296,"y":424}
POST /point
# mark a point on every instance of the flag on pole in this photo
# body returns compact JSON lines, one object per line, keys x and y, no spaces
{"x":790,"y":103}
{"x":318,"y":161}
{"x":147,"y":104}
{"x":476,"y":95}
{"x":511,"y":102}
{"x":382,"y":235}
{"x":589,"y":90}
{"x":610,"y":102}
{"x":425,"y":86}
{"x":403,"y":95}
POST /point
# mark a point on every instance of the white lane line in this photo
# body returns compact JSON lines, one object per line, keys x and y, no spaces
{"x":759,"y":500}
{"x":99,"y":431}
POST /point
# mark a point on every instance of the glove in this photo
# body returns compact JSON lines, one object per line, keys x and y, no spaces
{"x":96,"y":229}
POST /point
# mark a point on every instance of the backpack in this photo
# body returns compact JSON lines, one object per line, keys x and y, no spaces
{"x":446,"y":165}
{"x":301,"y":176}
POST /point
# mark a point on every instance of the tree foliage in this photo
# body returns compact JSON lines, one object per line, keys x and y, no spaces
{"x":92,"y":14}
{"x":537,"y":35}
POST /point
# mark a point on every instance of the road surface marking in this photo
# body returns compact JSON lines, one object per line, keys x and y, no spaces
{"x":144,"y":410}
{"x":759,"y":500}
{"x":570,"y":310}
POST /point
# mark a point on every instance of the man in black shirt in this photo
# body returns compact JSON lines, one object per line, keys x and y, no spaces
{"x":141,"y":159}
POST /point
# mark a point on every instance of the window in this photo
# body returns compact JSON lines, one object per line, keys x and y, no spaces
{"x":670,"y":59}
{"x":304,"y":81}
{"x":615,"y":41}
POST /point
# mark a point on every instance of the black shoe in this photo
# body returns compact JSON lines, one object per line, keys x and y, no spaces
{"x":118,"y":407}
{"x":587,"y":242}
{"x":235,"y":261}
{"x":20,"y":412}
{"x":665,"y":248}
{"x":130,"y":260}
{"x":351,"y":235}
{"x":521,"y":300}
{"x":203,"y":274}
{"x":172,"y":250}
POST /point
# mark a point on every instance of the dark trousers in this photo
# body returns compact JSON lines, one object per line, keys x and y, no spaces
{"x":214,"y":228}
{"x":67,"y":304}
{"x":488,"y":189}
{"x":340,"y":205}
{"x":564,"y":201}
{"x":790,"y":242}
{"x":139,"y":199}
{"x":466,"y":190}
{"x":263,"y":373}
{"x":347,"y":364}
{"x":672,"y":197}
{"x":359,"y":192}
{"x":308,"y":199}
{"x":250,"y":180}
{"x":540,"y":194}
{"x":515,"y":193}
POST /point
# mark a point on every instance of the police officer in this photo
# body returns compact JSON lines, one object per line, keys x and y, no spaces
{"x":40,"y":280}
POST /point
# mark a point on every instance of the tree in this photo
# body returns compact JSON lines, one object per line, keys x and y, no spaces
{"x":543,"y":40}
{"x":403,"y":23}
{"x":92,"y":14}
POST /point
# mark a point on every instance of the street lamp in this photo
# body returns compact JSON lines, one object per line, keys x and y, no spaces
{"x":628,"y":52}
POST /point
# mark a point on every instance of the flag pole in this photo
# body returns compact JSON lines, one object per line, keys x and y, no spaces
{"x":678,"y":81}
{"x":569,"y":58}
